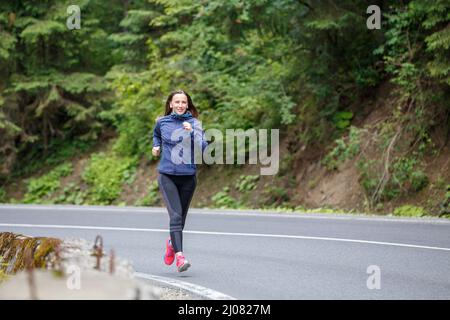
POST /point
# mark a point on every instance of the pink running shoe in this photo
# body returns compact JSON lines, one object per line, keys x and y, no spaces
{"x":169,"y":256}
{"x":182,"y":263}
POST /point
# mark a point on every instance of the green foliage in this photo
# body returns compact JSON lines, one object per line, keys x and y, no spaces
{"x":240,"y":60}
{"x":406,"y":177}
{"x":417,"y":50}
{"x":43,"y":29}
{"x":223,"y":200}
{"x":419,"y":180}
{"x":326,"y":210}
{"x":39,"y":189}
{"x":438,"y":40}
{"x":286,"y":164}
{"x":444,"y":206}
{"x":71,"y":194}
{"x":416,"y":44}
{"x":2,"y":195}
{"x":130,"y":43}
{"x":134,"y":116}
{"x":346,"y":148}
{"x":368,"y":175}
{"x":298,"y":66}
{"x":403,"y":169}
{"x":275,"y":196}
{"x":105,"y":176}
{"x":51,"y":77}
{"x":343,"y":119}
{"x":410,"y":211}
{"x":6,"y":46}
{"x":416,"y":59}
{"x":82,"y":83}
{"x":60,"y":151}
{"x":152,"y":197}
{"x":247,"y":183}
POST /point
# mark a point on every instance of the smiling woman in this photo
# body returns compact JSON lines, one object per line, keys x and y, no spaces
{"x":177,"y":180}
{"x":180,"y":102}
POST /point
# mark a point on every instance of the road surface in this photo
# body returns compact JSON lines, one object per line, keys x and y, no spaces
{"x":251,"y":255}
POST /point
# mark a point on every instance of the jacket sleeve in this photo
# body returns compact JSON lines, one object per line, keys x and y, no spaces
{"x":199,"y":135}
{"x":157,"y":134}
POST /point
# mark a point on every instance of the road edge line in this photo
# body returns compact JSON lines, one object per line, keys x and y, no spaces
{"x":196,"y":290}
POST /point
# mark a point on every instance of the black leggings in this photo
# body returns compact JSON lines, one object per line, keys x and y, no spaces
{"x":177,"y":192}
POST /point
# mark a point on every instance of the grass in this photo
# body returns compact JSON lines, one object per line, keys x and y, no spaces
{"x":407,"y":211}
{"x":410,"y":211}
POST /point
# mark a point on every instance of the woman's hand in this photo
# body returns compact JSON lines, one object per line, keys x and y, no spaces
{"x":156,"y":151}
{"x":187,"y":126}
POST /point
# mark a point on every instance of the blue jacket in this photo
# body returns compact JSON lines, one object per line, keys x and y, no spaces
{"x":175,"y":141}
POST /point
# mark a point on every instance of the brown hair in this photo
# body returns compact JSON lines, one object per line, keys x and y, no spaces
{"x":191,"y":108}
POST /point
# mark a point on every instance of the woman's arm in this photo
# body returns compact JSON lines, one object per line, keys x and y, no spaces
{"x":157,"y":139}
{"x":199,"y":135}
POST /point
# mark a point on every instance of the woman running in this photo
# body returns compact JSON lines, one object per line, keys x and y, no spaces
{"x":176,"y":134}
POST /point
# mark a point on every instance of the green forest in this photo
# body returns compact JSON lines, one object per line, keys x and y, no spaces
{"x":363,"y":114}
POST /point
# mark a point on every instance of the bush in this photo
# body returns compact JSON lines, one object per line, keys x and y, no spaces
{"x":286,"y":164}
{"x":444,"y":207}
{"x":410,"y":211}
{"x":2,"y":195}
{"x":223,"y":200}
{"x":419,"y":180}
{"x":342,"y":119}
{"x":72,"y":194}
{"x":105,"y":176}
{"x":346,"y":148}
{"x":152,"y":197}
{"x":275,"y":196}
{"x":247,"y":183}
{"x":406,"y":177}
{"x":367,"y":176}
{"x":59,"y":151}
{"x":40,"y":188}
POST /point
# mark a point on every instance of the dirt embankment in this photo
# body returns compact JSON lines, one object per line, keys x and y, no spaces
{"x":342,"y":188}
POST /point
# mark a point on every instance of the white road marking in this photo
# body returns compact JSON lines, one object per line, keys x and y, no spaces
{"x":47,"y":226}
{"x":203,"y":292}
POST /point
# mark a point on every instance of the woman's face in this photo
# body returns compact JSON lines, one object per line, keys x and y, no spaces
{"x":179,"y":103}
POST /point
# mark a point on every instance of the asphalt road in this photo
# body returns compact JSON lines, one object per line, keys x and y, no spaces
{"x":248,"y":255}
